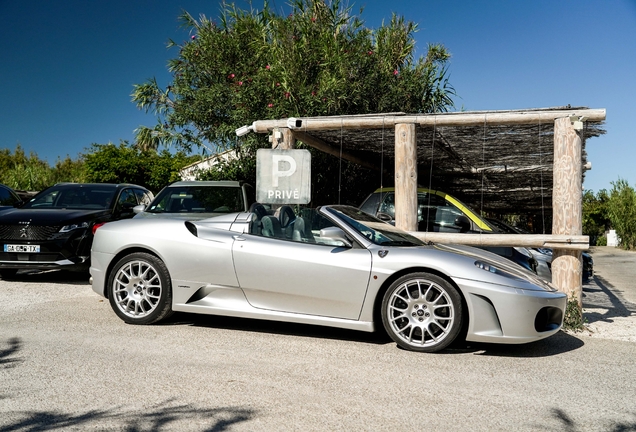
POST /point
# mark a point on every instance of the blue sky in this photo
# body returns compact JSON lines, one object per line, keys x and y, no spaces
{"x":68,"y":66}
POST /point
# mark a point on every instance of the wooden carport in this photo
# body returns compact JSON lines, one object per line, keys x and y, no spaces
{"x":494,"y":158}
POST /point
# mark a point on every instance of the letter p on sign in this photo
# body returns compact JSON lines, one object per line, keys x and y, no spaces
{"x":279,"y":162}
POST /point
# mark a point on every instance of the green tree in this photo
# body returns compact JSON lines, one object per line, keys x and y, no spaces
{"x":20,"y":171}
{"x":69,"y":170}
{"x":125,"y":163}
{"x":595,"y":214}
{"x":318,"y":60}
{"x":622,"y":212}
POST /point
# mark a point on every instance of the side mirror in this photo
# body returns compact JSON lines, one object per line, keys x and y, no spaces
{"x":125,"y":209}
{"x":463,"y":223}
{"x":384,"y":217}
{"x":139,"y":208}
{"x":335,"y":235}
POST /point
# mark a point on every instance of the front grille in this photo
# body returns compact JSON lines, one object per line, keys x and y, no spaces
{"x":27,"y":232}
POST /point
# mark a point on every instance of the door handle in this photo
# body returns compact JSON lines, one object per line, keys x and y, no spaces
{"x":238,"y":238}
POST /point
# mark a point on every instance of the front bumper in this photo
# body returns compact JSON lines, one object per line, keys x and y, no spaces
{"x":70,"y":252}
{"x":502,"y":314}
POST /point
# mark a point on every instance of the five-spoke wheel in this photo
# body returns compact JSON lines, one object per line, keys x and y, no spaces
{"x":140,"y":291}
{"x":422,"y":312}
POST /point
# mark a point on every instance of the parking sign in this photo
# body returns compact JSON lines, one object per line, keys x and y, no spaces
{"x":283,"y":176}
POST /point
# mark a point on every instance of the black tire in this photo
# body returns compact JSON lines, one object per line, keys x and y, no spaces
{"x":139,"y":289}
{"x":422,"y":312}
{"x":8,"y":274}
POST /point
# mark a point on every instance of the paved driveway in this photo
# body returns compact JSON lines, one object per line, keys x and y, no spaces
{"x":67,"y":362}
{"x":609,"y":299}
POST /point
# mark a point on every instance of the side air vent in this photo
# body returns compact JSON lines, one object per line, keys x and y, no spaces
{"x":192,"y":228}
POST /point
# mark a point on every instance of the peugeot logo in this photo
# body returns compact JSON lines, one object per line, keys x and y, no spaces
{"x":23,"y":230}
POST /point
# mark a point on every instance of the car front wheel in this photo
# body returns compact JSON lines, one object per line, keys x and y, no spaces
{"x":422,"y":312}
{"x":139,"y":289}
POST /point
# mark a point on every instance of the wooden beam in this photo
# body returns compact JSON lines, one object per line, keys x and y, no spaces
{"x":429,"y":120}
{"x":319,"y":144}
{"x":565,"y":242}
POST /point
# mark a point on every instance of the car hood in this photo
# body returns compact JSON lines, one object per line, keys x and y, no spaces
{"x":481,"y":254}
{"x":49,"y":216}
{"x":460,"y":261}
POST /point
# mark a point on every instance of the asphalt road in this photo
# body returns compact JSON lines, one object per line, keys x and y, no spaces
{"x":68,"y":363}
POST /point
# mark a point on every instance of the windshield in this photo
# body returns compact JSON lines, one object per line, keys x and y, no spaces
{"x":377,"y":231}
{"x":198,"y":199}
{"x":86,"y":197}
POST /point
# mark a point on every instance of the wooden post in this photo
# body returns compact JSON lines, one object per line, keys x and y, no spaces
{"x":289,"y":141}
{"x":567,"y":207}
{"x":405,"y":177}
{"x":283,"y":139}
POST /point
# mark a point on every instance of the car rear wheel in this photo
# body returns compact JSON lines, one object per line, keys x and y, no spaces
{"x":422,"y":312}
{"x":139,"y":289}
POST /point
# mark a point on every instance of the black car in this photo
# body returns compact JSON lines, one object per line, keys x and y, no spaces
{"x":545,"y":254}
{"x":8,"y":198}
{"x":54,"y":229}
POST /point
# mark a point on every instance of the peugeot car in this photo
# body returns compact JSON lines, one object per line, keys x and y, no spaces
{"x":54,"y":230}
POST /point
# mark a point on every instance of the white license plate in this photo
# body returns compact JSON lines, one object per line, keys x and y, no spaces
{"x":22,"y":248}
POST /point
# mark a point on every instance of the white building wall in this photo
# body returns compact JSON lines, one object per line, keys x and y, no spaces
{"x":612,"y":238}
{"x":190,"y":172}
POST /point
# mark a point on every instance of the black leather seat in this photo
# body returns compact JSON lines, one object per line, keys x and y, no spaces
{"x":271,"y":227}
{"x":258,"y":212}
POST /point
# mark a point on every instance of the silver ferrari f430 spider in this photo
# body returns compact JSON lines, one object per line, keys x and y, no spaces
{"x":331,"y":266}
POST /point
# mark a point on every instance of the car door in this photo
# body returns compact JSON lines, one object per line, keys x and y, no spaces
{"x":125,"y":203}
{"x":281,"y":274}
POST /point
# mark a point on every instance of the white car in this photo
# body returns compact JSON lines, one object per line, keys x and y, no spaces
{"x":333,"y":266}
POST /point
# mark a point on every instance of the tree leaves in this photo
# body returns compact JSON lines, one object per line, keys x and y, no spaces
{"x":256,"y":64}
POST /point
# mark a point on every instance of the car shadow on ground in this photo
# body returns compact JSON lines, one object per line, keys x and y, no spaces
{"x":554,"y":345}
{"x":51,"y":276}
{"x":277,"y":327}
{"x":559,"y":343}
{"x":599,"y":294}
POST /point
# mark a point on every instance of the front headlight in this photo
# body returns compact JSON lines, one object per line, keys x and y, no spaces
{"x":485,"y":266}
{"x":72,"y":227}
{"x":529,"y":281}
{"x":491,"y":268}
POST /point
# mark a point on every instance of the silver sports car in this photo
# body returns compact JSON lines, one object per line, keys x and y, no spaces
{"x":332,"y":266}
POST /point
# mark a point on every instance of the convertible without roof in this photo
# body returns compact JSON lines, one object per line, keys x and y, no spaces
{"x":333,"y":266}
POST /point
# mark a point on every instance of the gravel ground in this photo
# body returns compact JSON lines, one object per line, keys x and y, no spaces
{"x":68,"y":363}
